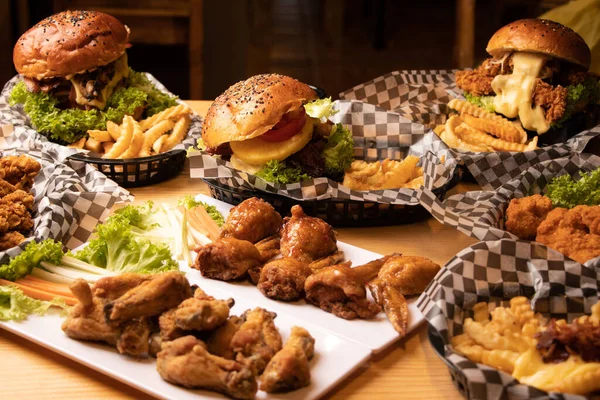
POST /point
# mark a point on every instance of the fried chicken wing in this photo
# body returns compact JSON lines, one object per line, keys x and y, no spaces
{"x":574,"y":232}
{"x":289,"y":369}
{"x":398,"y":277}
{"x":219,"y":341}
{"x":341,"y":290}
{"x":283,"y":279}
{"x":268,"y":248}
{"x":524,"y":215}
{"x":202,"y":314}
{"x":186,"y":362}
{"x":86,"y":319}
{"x":168,"y":326}
{"x":163,"y":292}
{"x":134,"y":340}
{"x":306,"y":238}
{"x":252,"y":220}
{"x":10,"y":239}
{"x":257,"y":340}
{"x":113,"y":287}
{"x":19,"y":171}
{"x":227,"y":259}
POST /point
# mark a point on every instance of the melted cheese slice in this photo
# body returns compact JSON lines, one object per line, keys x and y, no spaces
{"x":121,"y":71}
{"x":514,"y":92}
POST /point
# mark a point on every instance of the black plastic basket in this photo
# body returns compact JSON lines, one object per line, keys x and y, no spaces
{"x":341,"y":213}
{"x":137,"y":172}
{"x":458,"y":378}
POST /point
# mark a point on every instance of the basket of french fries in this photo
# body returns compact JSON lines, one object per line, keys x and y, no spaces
{"x":139,"y":153}
{"x":515,"y":319}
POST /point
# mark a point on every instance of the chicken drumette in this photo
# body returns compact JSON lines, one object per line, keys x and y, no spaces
{"x":306,"y":238}
{"x":341,"y":290}
{"x":227,"y":259}
{"x":289,"y":368}
{"x":252,"y":220}
{"x":283,"y":279}
{"x":401,"y":276}
{"x":257,"y":340}
{"x":202,"y":312}
{"x":186,"y":362}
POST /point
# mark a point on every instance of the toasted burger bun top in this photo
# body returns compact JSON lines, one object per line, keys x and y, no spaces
{"x":69,"y":43}
{"x":251,"y":107}
{"x":541,"y":36}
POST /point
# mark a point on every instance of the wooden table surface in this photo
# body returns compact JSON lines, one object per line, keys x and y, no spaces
{"x":409,"y":369}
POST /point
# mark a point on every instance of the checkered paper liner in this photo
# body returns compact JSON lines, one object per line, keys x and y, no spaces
{"x":71,"y":197}
{"x":495,"y":272}
{"x":378,"y":134}
{"x":17,"y":117}
{"x":422,"y":97}
{"x":480,"y":214}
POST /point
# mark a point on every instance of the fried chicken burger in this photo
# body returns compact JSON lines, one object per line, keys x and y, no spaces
{"x":275,"y":127}
{"x":75,"y":75}
{"x":537,"y":72}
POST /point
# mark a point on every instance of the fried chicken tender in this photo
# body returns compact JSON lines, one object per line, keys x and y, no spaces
{"x":552,"y":99}
{"x":289,"y":369}
{"x":257,"y":340}
{"x":252,"y":220}
{"x":20,"y":197}
{"x":398,"y":277}
{"x":163,"y":292}
{"x":186,"y":362}
{"x":227,"y":259}
{"x":306,"y":238}
{"x":11,"y":239}
{"x":14,"y":217}
{"x":284,"y":278}
{"x":524,"y":215}
{"x":19,"y":171}
{"x":575,"y":232}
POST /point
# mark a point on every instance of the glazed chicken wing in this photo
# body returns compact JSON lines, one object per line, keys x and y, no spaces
{"x":186,"y":362}
{"x":341,"y":290}
{"x":289,"y":369}
{"x":268,"y":248}
{"x":306,"y":238}
{"x":227,"y":259}
{"x":252,"y":220}
{"x":574,"y":232}
{"x":202,"y":312}
{"x":401,"y":276}
{"x":86,"y":319}
{"x":283,"y":279}
{"x":153,"y":297}
{"x":524,"y":215}
{"x":257,"y":340}
{"x":219,"y":341}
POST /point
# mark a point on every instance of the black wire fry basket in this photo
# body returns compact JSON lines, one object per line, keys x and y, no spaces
{"x":137,"y":172}
{"x":337,"y":212}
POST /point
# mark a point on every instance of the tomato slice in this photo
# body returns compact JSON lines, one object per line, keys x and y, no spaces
{"x":285,"y":129}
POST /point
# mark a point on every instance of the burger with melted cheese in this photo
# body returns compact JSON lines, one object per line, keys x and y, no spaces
{"x":75,"y":76}
{"x":537,"y":73}
{"x":274,"y":126}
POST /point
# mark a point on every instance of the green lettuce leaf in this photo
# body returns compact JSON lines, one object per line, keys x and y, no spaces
{"x":485,"y":102}
{"x":339,"y":151}
{"x":278,"y":172}
{"x":189,"y":202}
{"x":564,"y":192}
{"x":71,"y":124}
{"x":15,"y":306}
{"x":321,"y":109}
{"x":35,"y":252}
{"x":584,"y":93}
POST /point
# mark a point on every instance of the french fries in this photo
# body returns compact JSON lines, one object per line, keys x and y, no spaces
{"x":477,"y":130}
{"x":387,"y":174}
{"x":156,"y":134}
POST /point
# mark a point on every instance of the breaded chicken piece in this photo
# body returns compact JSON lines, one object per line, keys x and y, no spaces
{"x":19,"y":170}
{"x":553,"y":99}
{"x":18,"y":196}
{"x":474,"y":82}
{"x":524,"y":215}
{"x":10,"y":240}
{"x":14,"y":217}
{"x":575,"y":232}
{"x":6,"y":188}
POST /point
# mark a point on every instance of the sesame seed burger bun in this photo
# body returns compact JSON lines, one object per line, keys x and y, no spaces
{"x":69,"y":43}
{"x":541,"y":36}
{"x":252,"y":107}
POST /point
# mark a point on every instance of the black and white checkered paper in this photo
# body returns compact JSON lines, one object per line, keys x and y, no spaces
{"x":18,"y":118}
{"x":71,"y":197}
{"x":495,"y":272}
{"x":481,"y":214}
{"x":378,"y":134}
{"x":422,"y":97}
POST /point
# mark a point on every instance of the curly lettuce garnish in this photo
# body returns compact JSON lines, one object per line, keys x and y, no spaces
{"x":16,"y":306}
{"x":278,"y":172}
{"x":30,"y":258}
{"x":321,"y":109}
{"x":485,"y":102}
{"x":339,"y":151}
{"x":579,"y":96}
{"x":564,"y":192}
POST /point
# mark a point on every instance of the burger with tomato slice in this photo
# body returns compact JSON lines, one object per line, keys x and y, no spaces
{"x":275,"y":127}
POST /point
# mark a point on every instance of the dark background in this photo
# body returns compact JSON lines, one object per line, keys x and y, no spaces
{"x":334,"y":44}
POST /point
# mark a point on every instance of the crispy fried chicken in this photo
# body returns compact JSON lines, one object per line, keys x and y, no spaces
{"x":10,"y":240}
{"x":524,"y":215}
{"x":14,"y":217}
{"x":552,"y":99}
{"x":19,"y":171}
